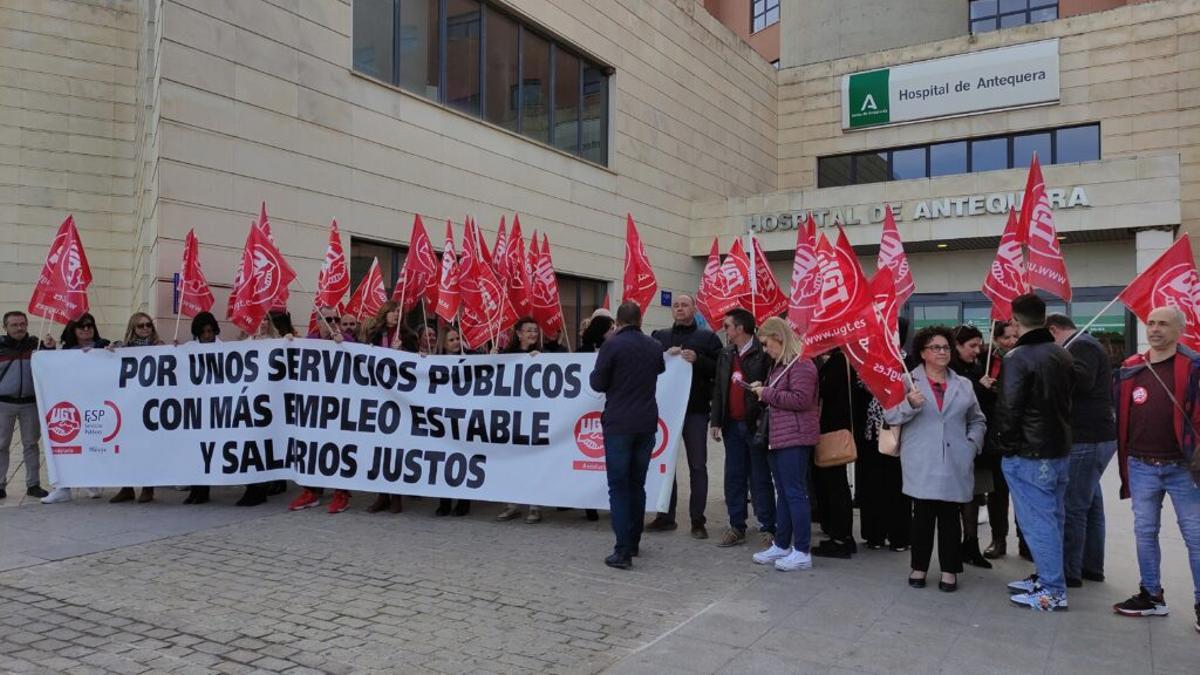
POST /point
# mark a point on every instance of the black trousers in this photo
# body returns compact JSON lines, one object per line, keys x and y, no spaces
{"x":997,"y":503}
{"x":945,"y":517}
{"x":885,"y":513}
{"x":832,"y":486}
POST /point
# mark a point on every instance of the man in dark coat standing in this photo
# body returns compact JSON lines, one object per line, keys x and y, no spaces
{"x":699,"y":347}
{"x":627,"y":369}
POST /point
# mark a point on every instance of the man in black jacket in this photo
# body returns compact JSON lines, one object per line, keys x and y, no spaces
{"x":734,"y":418}
{"x":1093,"y":444}
{"x":699,"y":347}
{"x":17,"y":401}
{"x":626,"y":371}
{"x":1033,"y":433}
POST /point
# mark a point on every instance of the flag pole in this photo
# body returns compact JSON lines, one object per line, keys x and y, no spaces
{"x":41,"y":331}
{"x":753,"y":280}
{"x":1094,"y":320}
{"x":403,"y":295}
{"x":179,"y":309}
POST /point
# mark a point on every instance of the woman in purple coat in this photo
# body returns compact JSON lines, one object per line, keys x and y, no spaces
{"x":793,"y":427}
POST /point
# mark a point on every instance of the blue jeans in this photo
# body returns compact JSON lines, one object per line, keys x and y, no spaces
{"x":1039,"y":489}
{"x":743,"y":467}
{"x":1083,"y":540}
{"x":626,"y":459}
{"x":1147,"y":485}
{"x":793,"y":513}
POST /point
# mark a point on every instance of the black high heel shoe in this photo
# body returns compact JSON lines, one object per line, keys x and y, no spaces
{"x":948,"y":586}
{"x":916,"y":582}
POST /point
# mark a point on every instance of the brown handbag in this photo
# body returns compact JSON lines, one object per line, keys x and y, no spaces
{"x":837,"y":448}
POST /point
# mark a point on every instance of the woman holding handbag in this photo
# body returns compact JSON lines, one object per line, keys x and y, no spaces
{"x":942,"y":434}
{"x":793,"y":428}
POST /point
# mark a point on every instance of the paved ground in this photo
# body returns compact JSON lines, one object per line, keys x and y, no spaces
{"x":93,"y":587}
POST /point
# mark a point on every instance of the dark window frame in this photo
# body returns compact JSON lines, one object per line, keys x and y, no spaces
{"x":554,"y":45}
{"x":755,"y":15}
{"x":853,"y":178}
{"x":1026,"y":14}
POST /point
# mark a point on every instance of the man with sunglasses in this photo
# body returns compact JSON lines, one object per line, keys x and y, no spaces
{"x":17,"y":402}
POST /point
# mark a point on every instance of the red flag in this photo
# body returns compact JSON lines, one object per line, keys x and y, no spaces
{"x":605,"y":304}
{"x":517,"y":273}
{"x":844,"y":297}
{"x":1006,"y":277}
{"x":500,"y":252}
{"x":1170,"y":281}
{"x":711,"y":300}
{"x":1046,"y":268}
{"x":263,"y":224}
{"x":769,"y":299}
{"x":886,"y":301}
{"x":370,"y":295}
{"x":485,"y":254}
{"x":877,"y":360}
{"x":194,"y":294}
{"x":334,"y":279}
{"x":419,"y":277}
{"x":485,"y":310}
{"x":448,"y":281}
{"x":261,"y":280}
{"x":546,"y":309}
{"x":60,"y":293}
{"x":891,"y":256}
{"x":806,"y":277}
{"x":736,"y":273}
{"x":640,"y":283}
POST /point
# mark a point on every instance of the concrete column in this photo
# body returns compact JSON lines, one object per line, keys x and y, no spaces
{"x":1148,"y":245}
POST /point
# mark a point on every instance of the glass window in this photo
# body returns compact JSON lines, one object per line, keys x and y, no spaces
{"x":1077,"y":144}
{"x":1025,"y":145}
{"x":373,"y":38}
{"x":594,"y":121}
{"x":1044,"y":14}
{"x":462,"y":55}
{"x":535,"y":88}
{"x":979,"y":316}
{"x":908,"y":164}
{"x":989,"y":154}
{"x":362,"y":252}
{"x":418,"y":46}
{"x":1013,"y":5}
{"x":1010,"y":20}
{"x":501,"y":65}
{"x":981,"y":9}
{"x":933,"y":315}
{"x":833,"y":171}
{"x":1110,"y":329}
{"x":566,"y":100}
{"x":870,"y":167}
{"x":983,"y":25}
{"x":763,"y":13}
{"x":948,"y":159}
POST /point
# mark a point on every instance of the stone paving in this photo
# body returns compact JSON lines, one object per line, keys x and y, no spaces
{"x":91,"y":587}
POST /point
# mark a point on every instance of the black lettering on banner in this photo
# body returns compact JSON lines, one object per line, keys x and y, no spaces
{"x":416,"y":465}
{"x":206,"y":451}
{"x":223,"y":367}
{"x":574,"y":384}
{"x":476,"y":469}
{"x":170,"y":414}
{"x":149,"y":371}
{"x":438,"y":376}
{"x":412,"y":466}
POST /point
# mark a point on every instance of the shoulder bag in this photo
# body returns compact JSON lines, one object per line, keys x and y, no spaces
{"x":837,"y":448}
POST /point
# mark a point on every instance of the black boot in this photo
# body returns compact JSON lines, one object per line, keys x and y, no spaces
{"x":971,"y":554}
{"x":255,"y":494}
{"x":197,"y":495}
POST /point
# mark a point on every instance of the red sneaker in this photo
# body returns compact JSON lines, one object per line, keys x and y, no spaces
{"x":341,"y":501}
{"x":306,"y":500}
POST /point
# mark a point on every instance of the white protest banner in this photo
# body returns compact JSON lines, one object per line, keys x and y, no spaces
{"x":505,"y":428}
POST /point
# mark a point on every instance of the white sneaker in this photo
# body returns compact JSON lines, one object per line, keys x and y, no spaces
{"x":93,"y":493}
{"x":770,"y":555}
{"x":57,"y":495}
{"x":796,"y":560}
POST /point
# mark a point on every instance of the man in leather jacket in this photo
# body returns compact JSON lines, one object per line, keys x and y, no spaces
{"x":1033,"y":432}
{"x":734,"y":419}
{"x":17,"y":401}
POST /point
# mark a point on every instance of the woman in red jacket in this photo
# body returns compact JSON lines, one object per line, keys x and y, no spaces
{"x":793,"y":428}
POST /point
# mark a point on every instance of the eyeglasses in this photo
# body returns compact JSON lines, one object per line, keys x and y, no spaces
{"x":938,"y":348}
{"x":86,"y":326}
{"x":331,"y":319}
{"x":144,"y":324}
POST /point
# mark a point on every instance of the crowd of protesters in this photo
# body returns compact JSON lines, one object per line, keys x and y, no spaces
{"x":1035,"y":416}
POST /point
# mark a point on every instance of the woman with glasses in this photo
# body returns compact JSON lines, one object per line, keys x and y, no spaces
{"x":450,"y":342}
{"x":386,"y":329}
{"x":941,"y":434}
{"x":525,"y":338}
{"x":139,"y":332}
{"x":78,"y":334}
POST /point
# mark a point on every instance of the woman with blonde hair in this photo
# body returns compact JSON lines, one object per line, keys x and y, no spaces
{"x":793,"y":426}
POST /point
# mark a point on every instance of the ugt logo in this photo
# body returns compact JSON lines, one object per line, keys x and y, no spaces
{"x":63,"y":423}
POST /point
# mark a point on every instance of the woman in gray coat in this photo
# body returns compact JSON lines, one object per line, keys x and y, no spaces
{"x":942,"y":430}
